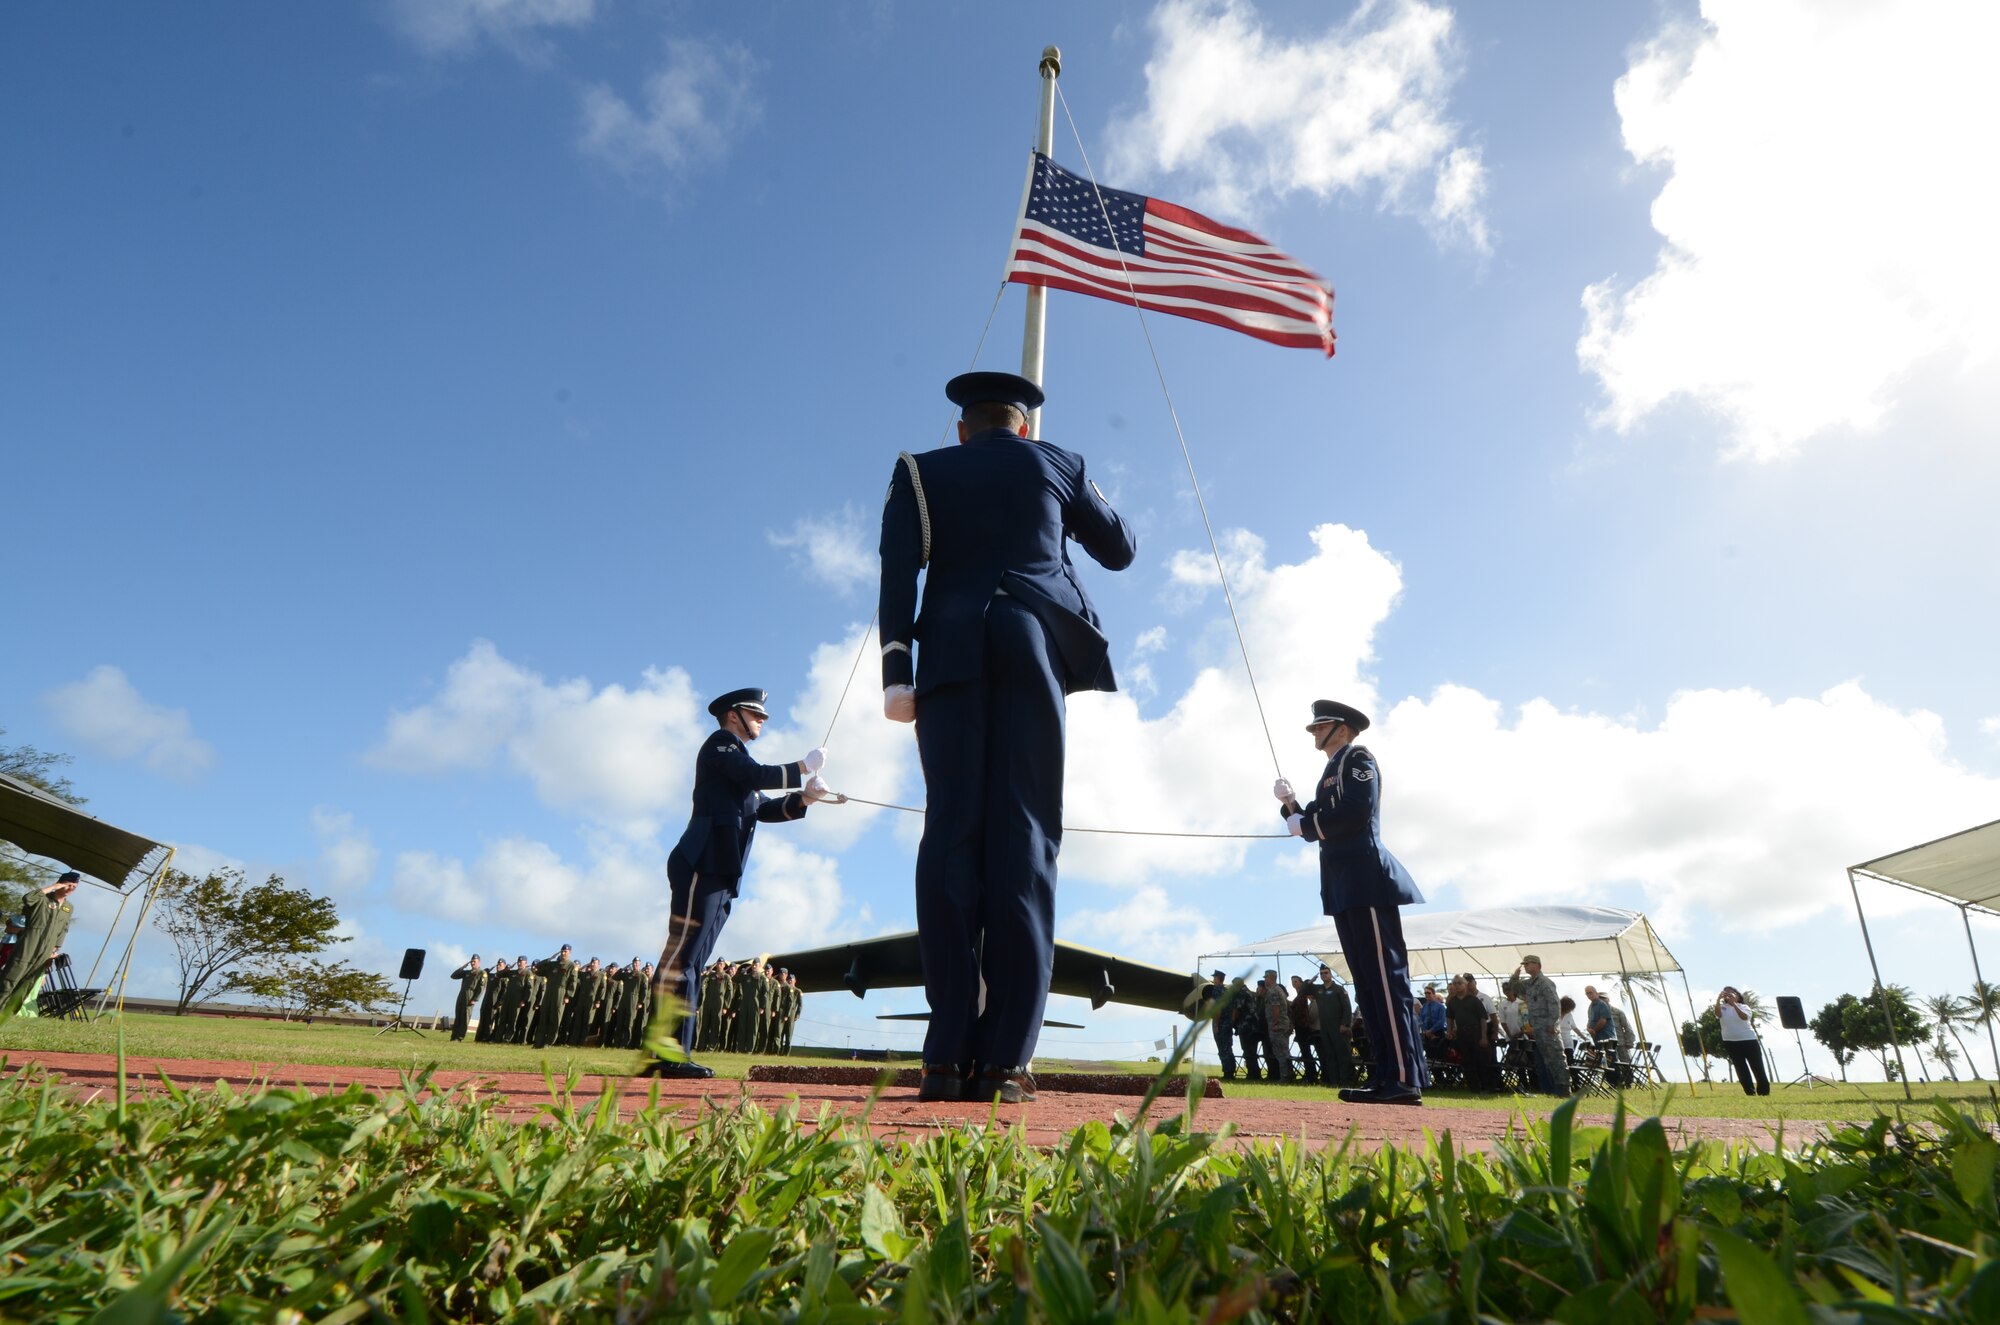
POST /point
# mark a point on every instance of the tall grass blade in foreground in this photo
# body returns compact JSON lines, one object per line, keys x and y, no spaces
{"x":420,"y":1204}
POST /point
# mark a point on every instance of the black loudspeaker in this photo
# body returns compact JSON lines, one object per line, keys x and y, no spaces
{"x":413,"y":967}
{"x":1792,"y":1013}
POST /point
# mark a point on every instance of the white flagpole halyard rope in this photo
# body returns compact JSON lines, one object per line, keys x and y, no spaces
{"x":1201,"y":503}
{"x":1187,"y":457}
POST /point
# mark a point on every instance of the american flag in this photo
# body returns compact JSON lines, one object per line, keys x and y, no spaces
{"x":1177,"y":261}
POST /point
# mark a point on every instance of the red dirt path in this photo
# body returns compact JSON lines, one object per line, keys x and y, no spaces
{"x":1315,"y":1116}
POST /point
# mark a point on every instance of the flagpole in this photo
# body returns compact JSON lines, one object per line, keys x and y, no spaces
{"x":1034,"y":330}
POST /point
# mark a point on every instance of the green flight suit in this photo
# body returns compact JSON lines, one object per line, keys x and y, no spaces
{"x":581,"y":1015}
{"x":471,"y":984}
{"x":532,"y":990}
{"x":41,"y":939}
{"x":743,"y":1004}
{"x":794,"y":1004}
{"x":559,"y":982}
{"x":625,"y":1028}
{"x":489,"y":1005}
{"x":767,"y":1013}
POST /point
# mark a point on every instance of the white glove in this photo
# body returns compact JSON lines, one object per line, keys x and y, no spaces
{"x":1282,"y":789}
{"x":1293,"y":824}
{"x":817,"y":790}
{"x":899,"y":703}
{"x":815,"y":760}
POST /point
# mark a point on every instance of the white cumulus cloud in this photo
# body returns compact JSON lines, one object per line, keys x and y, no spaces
{"x":614,"y":900}
{"x":1826,"y":226}
{"x":623,"y":757}
{"x":109,"y":716}
{"x":1735,"y":806}
{"x":441,"y":27}
{"x":347,"y":855}
{"x":1742,"y":806}
{"x":834,"y":549}
{"x":1239,"y":116}
{"x":792,"y":898}
{"x":620,"y":755}
{"x":1148,"y":925}
{"x":689,"y":112}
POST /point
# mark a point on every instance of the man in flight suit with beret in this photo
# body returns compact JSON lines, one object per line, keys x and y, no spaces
{"x":1362,"y":887}
{"x":1006,"y":632}
{"x":706,"y":866}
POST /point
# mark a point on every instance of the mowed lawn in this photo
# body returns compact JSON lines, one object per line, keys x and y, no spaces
{"x":275,"y":1042}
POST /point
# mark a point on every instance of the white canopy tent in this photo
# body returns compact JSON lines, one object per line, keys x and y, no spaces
{"x":1570,"y":940}
{"x":1963,"y":869}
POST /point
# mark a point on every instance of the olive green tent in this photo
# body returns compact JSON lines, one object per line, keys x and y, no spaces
{"x":49,"y":826}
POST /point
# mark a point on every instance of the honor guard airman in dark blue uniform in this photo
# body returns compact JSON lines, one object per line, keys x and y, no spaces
{"x":1362,"y":887}
{"x":706,"y":866}
{"x":1005,"y":633}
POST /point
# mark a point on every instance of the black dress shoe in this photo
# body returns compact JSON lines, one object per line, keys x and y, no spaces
{"x":939,"y":1083}
{"x":1002,"y":1087}
{"x":1382,"y":1095}
{"x":684,"y":1069}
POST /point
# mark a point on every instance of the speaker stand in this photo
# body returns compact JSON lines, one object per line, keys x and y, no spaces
{"x":1807,"y":1078}
{"x":397,"y":1023}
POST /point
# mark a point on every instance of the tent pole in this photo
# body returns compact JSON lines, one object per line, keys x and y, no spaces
{"x":1965,"y":914}
{"x":109,"y":934}
{"x":1881,"y":990}
{"x":1695,"y":1018}
{"x":1625,"y":978}
{"x":125,"y":962}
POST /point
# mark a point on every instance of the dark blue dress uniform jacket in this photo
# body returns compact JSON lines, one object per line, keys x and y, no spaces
{"x":1001,"y":511}
{"x":728,"y":803}
{"x":1345,"y":818}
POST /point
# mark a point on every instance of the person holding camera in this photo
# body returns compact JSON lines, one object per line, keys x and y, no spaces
{"x":1740,"y":1042}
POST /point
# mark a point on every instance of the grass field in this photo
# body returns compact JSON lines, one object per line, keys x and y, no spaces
{"x":155,"y":1036}
{"x":280,"y":1205}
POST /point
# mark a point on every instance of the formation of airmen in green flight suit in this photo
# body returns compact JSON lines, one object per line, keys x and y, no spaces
{"x":747,"y":1008}
{"x":558,"y":1001}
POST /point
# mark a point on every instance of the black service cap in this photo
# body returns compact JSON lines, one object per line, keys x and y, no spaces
{"x":749,"y":697}
{"x":1327,"y":710}
{"x":995,"y":388}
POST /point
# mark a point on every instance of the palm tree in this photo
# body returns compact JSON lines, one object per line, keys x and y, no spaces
{"x":1985,"y":1007}
{"x":1942,"y":1051}
{"x":1950,"y":1012}
{"x":1760,"y":1011}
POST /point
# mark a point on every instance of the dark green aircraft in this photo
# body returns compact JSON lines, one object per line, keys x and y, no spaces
{"x":893,"y":962}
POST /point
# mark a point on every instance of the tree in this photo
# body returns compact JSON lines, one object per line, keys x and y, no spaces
{"x":1949,"y":1012}
{"x":1945,"y":1055}
{"x":1867,"y":1029}
{"x":1710,"y":1028}
{"x":308,"y":988}
{"x":1702,"y":1040}
{"x":37,"y":768}
{"x":224,"y":928}
{"x":1985,"y":1002}
{"x":1829,"y":1027}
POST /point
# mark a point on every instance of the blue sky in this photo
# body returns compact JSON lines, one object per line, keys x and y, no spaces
{"x":417,"y":410}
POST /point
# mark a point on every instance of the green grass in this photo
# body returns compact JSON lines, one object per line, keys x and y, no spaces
{"x":281,"y":1205}
{"x":1852,"y":1102}
{"x":157,"y":1036}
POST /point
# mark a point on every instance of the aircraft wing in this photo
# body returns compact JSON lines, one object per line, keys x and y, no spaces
{"x":894,"y":962}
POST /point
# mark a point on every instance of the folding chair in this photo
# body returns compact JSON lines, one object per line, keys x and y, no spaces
{"x":60,"y":997}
